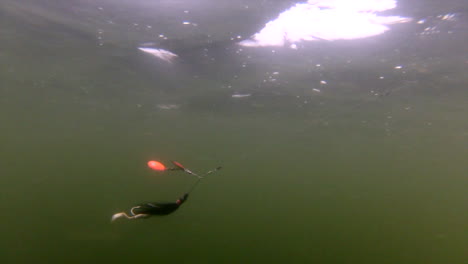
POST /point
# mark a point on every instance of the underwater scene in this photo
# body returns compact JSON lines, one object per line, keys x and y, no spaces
{"x":234,"y":131}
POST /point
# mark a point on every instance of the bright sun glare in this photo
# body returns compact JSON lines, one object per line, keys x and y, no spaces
{"x":326,"y":20}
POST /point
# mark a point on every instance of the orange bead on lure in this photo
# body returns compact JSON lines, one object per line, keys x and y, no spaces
{"x":156,"y":165}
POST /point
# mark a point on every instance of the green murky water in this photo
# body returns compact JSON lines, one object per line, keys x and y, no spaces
{"x":345,"y":177}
